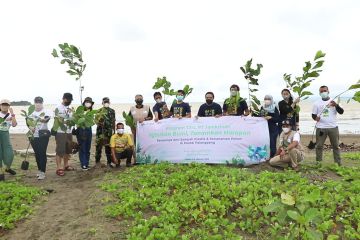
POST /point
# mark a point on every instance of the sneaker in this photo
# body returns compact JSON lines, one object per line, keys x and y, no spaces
{"x":84,"y":168}
{"x":9,"y":170}
{"x":38,"y":174}
{"x":41,"y":176}
{"x":2,"y":177}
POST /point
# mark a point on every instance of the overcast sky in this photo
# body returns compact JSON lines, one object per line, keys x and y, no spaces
{"x":128,"y":44}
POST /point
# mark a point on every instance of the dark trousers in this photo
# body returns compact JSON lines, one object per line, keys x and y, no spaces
{"x":84,"y":136}
{"x":273,"y":132}
{"x":99,"y":147}
{"x":39,"y":144}
{"x":127,"y":153}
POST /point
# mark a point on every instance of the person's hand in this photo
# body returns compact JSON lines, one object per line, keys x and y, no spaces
{"x":297,"y":100}
{"x":282,"y":153}
{"x":332,"y":104}
{"x":11,"y":111}
{"x":268,"y":117}
{"x":179,"y":117}
{"x":217,"y":116}
{"x":196,"y":117}
{"x":317,"y":118}
{"x":141,"y":121}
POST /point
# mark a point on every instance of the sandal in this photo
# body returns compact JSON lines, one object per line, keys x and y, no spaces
{"x":60,"y":172}
{"x":69,"y":168}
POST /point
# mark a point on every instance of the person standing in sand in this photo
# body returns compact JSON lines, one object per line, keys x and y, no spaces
{"x":104,"y":130}
{"x":8,"y":120}
{"x":324,"y":113}
{"x":63,"y":138}
{"x":41,"y":134}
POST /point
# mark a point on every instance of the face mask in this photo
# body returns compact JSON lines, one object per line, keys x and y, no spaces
{"x":233,"y":93}
{"x":139,"y":101}
{"x":88,"y":105}
{"x":267,"y":102}
{"x":286,"y":130}
{"x":286,"y":97}
{"x":324,"y":95}
{"x":209,"y":101}
{"x":120,"y":131}
{"x":158,"y":100}
{"x":106,"y":105}
{"x":180,"y":98}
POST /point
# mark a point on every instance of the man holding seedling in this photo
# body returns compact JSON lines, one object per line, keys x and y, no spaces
{"x":180,"y":109}
{"x":235,"y":105}
{"x":160,"y":109}
{"x":104,"y":130}
{"x":121,"y":146}
{"x":290,"y":150}
{"x":324,"y":113}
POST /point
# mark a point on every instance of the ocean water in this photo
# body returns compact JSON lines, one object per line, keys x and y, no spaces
{"x":349,"y":122}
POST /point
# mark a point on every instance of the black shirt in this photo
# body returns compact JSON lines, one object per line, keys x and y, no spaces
{"x":211,"y":110}
{"x":159,"y":108}
{"x":239,"y":111}
{"x":180,"y":109}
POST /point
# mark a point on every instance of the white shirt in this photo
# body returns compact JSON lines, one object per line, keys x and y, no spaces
{"x":5,"y":126}
{"x":327,"y":117}
{"x":40,"y":125}
{"x":66,"y":113}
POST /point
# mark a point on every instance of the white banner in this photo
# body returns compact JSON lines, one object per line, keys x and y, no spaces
{"x":224,"y":140}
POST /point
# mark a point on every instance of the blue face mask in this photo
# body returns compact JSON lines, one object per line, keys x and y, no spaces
{"x":180,"y":98}
{"x":324,"y":95}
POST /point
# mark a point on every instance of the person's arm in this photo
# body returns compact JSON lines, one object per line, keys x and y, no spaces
{"x":218,"y":111}
{"x":188,"y":111}
{"x":201,"y":112}
{"x":149,"y":116}
{"x":13,"y":119}
{"x":245,"y":108}
{"x":172,"y":110}
{"x":294,"y":143}
{"x":339,"y":109}
{"x":314,"y":114}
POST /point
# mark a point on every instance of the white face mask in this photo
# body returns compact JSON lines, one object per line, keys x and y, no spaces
{"x":120,"y":131}
{"x":106,"y":105}
{"x":233,"y":93}
{"x":88,"y":105}
{"x":286,"y":130}
{"x":159,"y":100}
{"x":267,"y":102}
{"x":324,"y":94}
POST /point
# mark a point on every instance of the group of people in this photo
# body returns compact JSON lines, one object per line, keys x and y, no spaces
{"x":282,"y":118}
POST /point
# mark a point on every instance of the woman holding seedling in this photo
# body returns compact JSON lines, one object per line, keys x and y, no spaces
{"x":7,"y":120}
{"x":40,"y":135}
{"x":287,"y":108}
{"x":270,"y":112}
{"x":84,"y":136}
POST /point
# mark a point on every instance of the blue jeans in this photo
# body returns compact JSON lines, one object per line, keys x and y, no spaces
{"x":84,"y":137}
